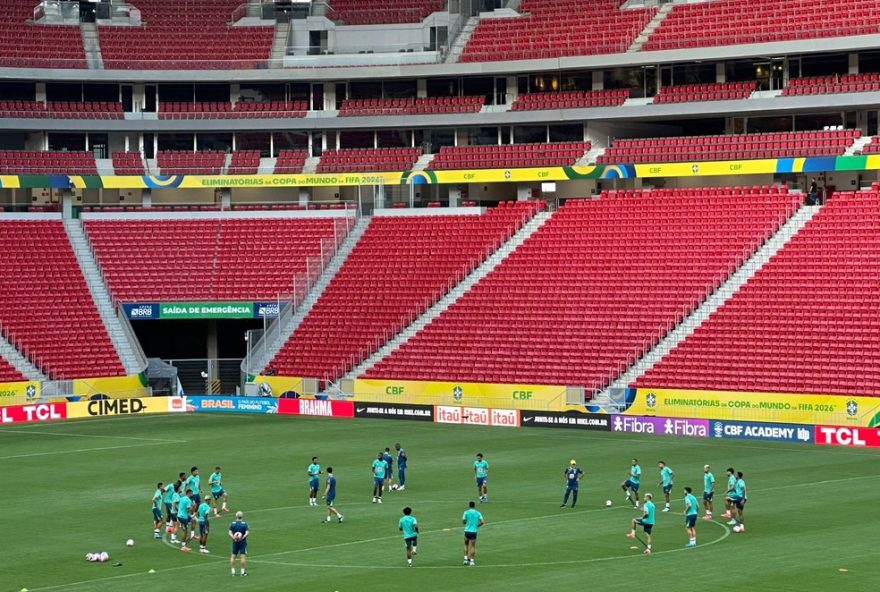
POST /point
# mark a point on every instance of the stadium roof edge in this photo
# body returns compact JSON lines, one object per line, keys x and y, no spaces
{"x":720,"y":53}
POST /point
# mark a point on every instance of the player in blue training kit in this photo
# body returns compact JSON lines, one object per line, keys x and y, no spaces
{"x":573,"y":476}
{"x":481,"y":471}
{"x":631,"y":485}
{"x":708,"y":491}
{"x":239,"y":532}
{"x":156,"y":506}
{"x":409,"y":526}
{"x":330,"y":495}
{"x":731,"y":486}
{"x":646,"y":522}
{"x":389,"y":468}
{"x":192,"y":482}
{"x":314,"y":471}
{"x":401,"y":466}
{"x":379,"y":468}
{"x":472,"y":520}
{"x":738,"y":498}
{"x":666,"y":476}
{"x":217,"y":490}
{"x":690,"y":516}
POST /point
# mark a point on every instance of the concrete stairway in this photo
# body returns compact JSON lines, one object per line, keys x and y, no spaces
{"x":711,"y":304}
{"x":267,"y":166}
{"x":127,"y":346}
{"x":279,"y":45}
{"x":453,"y":295}
{"x":423,"y":162}
{"x":275,"y":337}
{"x":858,"y":145}
{"x":650,"y":28}
{"x":310,"y":166}
{"x":104,"y":166}
{"x":89,"y":33}
{"x":461,"y":40}
{"x":19,"y":362}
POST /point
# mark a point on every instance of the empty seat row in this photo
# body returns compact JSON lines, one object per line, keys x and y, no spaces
{"x":509,"y":155}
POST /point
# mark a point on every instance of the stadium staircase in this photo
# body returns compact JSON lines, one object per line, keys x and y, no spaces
{"x":652,"y":26}
{"x":279,"y":45}
{"x":423,"y":162}
{"x":486,"y":267}
{"x":91,"y":45}
{"x":311,"y":165}
{"x":276,"y":336}
{"x":461,"y":40}
{"x":858,"y":146}
{"x":711,"y":304}
{"x":126,"y":344}
{"x":21,"y":364}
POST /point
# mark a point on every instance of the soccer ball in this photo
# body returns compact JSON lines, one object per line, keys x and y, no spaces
{"x":237,"y":536}
{"x":104,"y":556}
{"x":608,"y":503}
{"x":90,"y":556}
{"x":394,"y":487}
{"x":737,"y":528}
{"x":129,"y":543}
{"x":169,"y":529}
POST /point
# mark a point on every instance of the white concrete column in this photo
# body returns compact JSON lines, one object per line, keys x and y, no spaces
{"x":853,"y":63}
{"x":512,"y":89}
{"x":41,"y":92}
{"x":720,"y":73}
{"x":234,"y":93}
{"x":421,"y":88}
{"x":329,"y":97}
{"x":598,"y":80}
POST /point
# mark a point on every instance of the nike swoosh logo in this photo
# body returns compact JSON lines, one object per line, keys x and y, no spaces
{"x":361,"y":409}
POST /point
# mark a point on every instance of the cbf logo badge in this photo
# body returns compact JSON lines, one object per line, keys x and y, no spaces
{"x":718,"y":428}
{"x":852,"y":408}
{"x":651,"y":400}
{"x":457,"y":393}
{"x":30,"y":392}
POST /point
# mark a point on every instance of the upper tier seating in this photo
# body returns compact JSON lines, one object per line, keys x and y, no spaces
{"x":30,"y":162}
{"x":399,"y":266}
{"x":191,"y":35}
{"x":873,"y":147}
{"x":734,"y":22}
{"x":290,"y":161}
{"x":191,"y":260}
{"x":128,"y":163}
{"x":66,"y":338}
{"x":822,"y":85}
{"x":26,"y":45}
{"x":244,"y":162}
{"x":8,"y":373}
{"x":686,"y":93}
{"x":555,"y":29}
{"x":61,"y":109}
{"x":590,"y":287}
{"x":730,"y":147}
{"x":573,"y":99}
{"x":509,"y":155}
{"x":368,"y":107}
{"x":226,"y":110}
{"x":378,"y":12}
{"x":368,"y":159}
{"x":805,"y":323}
{"x":185,"y":162}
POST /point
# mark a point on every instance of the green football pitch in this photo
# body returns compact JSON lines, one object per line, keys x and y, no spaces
{"x":78,"y":487}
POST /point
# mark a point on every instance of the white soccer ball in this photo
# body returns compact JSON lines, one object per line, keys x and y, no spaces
{"x":104,"y":556}
{"x":394,"y":487}
{"x":90,"y":556}
{"x":237,"y":536}
{"x":129,"y":543}
{"x":608,"y":503}
{"x":737,"y":528}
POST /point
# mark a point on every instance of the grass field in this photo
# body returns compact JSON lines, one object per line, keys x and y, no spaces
{"x":78,"y":487}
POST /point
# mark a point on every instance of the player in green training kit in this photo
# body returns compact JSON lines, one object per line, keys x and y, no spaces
{"x":409,"y":526}
{"x":184,"y":517}
{"x":472,"y":521}
{"x":631,"y":485}
{"x":217,"y":491}
{"x":156,"y":506}
{"x":666,"y":476}
{"x":731,"y":485}
{"x":202,"y":515}
{"x":330,"y":496}
{"x":738,"y":498}
{"x":690,"y":517}
{"x":481,"y":470}
{"x":708,"y":491}
{"x":646,"y":522}
{"x":192,"y":482}
{"x":314,"y":471}
{"x":379,"y":467}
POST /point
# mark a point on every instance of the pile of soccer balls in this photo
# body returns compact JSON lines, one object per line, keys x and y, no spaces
{"x":99,"y":557}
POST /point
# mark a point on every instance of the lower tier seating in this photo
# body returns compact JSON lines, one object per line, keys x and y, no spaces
{"x":591,"y":287}
{"x":807,"y":322}
{"x":48,"y":311}
{"x":399,"y":267}
{"x":368,"y":159}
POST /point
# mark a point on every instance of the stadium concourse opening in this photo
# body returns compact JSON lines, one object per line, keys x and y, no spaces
{"x":207,"y":353}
